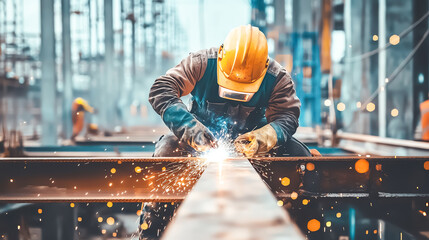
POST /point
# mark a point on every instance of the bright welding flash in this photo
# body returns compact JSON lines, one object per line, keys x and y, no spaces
{"x":218,"y":154}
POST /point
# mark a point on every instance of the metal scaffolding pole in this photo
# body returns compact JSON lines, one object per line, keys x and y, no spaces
{"x":201,"y":24}
{"x":109,"y":94}
{"x":133,"y":45}
{"x":66,"y":68}
{"x":47,"y":57}
{"x":382,"y":68}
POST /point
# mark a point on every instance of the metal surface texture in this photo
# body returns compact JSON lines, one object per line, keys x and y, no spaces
{"x":231,"y":202}
{"x":97,"y":179}
{"x":338,"y":177}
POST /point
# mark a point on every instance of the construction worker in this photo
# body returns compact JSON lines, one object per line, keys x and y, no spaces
{"x":424,"y":113}
{"x":236,"y":89}
{"x":79,"y":106}
{"x":238,"y":93}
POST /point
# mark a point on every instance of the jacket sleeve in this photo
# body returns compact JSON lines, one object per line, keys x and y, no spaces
{"x":177,"y":82}
{"x":283,"y":108}
{"x":165,"y":93}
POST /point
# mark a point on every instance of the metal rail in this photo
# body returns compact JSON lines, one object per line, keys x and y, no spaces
{"x":382,"y":140}
{"x":368,"y":144}
{"x":182,"y":159}
{"x":87,"y":179}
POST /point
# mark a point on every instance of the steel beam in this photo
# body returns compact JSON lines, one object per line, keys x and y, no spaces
{"x":97,"y":179}
{"x":22,"y":179}
{"x":49,"y":86}
{"x":232,"y":200}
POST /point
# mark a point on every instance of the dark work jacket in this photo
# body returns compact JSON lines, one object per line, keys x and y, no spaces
{"x":274,"y":103}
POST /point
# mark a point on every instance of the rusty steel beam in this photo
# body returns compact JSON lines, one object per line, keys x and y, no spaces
{"x":97,"y":179}
{"x":22,"y":179}
{"x":342,"y":158}
{"x":99,"y":159}
{"x":180,"y":159}
{"x":231,"y":202}
{"x":373,"y":177}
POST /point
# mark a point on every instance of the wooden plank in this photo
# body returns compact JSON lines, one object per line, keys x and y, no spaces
{"x":230,"y":201}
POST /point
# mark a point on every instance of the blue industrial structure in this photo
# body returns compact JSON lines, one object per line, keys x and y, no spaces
{"x":307,"y":85}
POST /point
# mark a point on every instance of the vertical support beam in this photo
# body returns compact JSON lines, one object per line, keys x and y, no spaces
{"x":109,"y":105}
{"x":421,"y":61}
{"x":201,"y":23}
{"x":121,"y":71}
{"x":89,"y":30}
{"x":280,"y":26}
{"x":122,"y":37}
{"x":49,"y":86}
{"x":280,"y":14}
{"x":66,"y":68}
{"x":295,"y":15}
{"x":92,"y":52}
{"x":382,"y":68}
{"x":259,"y":18}
{"x":325,"y":36}
{"x":133,"y":45}
{"x":153,"y":50}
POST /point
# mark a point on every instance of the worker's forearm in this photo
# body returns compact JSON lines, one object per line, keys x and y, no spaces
{"x":178,"y":118}
{"x":285,"y":126}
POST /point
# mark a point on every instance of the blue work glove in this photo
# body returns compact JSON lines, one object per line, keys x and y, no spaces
{"x":187,"y":128}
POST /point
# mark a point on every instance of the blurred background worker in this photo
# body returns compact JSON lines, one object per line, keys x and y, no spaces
{"x":424,"y":111}
{"x":236,"y":89}
{"x":79,"y":106}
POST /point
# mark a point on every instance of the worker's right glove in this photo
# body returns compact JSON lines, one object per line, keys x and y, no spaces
{"x":187,"y":128}
{"x":198,"y":136}
{"x":256,"y":142}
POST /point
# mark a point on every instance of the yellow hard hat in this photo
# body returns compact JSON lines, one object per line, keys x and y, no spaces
{"x":242,"y":63}
{"x":84,"y":104}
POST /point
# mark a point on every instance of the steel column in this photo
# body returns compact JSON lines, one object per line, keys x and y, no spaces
{"x":382,"y":68}
{"x":66,"y":68}
{"x":47,"y":56}
{"x":108,"y":102}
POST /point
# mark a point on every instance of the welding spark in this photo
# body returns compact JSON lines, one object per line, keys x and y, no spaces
{"x":225,"y":148}
{"x":216,"y":154}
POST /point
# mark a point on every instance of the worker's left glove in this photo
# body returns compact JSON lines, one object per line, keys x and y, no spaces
{"x":256,"y":142}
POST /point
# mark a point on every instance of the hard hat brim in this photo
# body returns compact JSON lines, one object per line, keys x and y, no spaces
{"x":252,"y":87}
